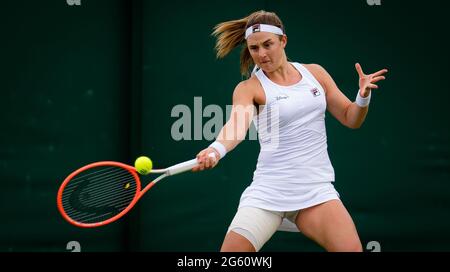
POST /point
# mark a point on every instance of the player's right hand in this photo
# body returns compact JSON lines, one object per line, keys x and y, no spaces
{"x":205,"y":161}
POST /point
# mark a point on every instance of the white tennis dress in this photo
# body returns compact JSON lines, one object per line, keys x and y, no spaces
{"x":293,"y":169}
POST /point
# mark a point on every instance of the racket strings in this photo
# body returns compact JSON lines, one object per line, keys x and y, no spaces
{"x":106,"y":172}
{"x":100,"y":199}
{"x":98,"y":194}
{"x":99,"y":188}
{"x":99,"y":182}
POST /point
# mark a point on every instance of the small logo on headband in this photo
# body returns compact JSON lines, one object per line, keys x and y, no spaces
{"x":256,"y":28}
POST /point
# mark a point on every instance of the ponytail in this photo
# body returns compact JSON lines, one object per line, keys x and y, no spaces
{"x":231,"y":34}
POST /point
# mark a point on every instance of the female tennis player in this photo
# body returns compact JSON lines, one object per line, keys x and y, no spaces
{"x":292,"y":187}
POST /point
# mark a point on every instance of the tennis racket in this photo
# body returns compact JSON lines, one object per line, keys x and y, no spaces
{"x":102,"y":192}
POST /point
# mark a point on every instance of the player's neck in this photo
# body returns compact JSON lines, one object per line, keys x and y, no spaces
{"x":285,"y":74}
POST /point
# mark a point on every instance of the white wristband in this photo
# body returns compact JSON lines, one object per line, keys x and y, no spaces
{"x":362,"y":101}
{"x":220,"y":148}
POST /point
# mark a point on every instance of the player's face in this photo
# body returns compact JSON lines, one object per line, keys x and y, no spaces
{"x":267,"y":50}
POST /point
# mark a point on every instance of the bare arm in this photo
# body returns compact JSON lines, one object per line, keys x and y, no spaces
{"x":235,"y":130}
{"x":347,"y":112}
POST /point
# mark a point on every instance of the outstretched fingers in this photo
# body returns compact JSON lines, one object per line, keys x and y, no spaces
{"x":359,"y":70}
{"x":376,"y":79}
{"x":378,"y":73}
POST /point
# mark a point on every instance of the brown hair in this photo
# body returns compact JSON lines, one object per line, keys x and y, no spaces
{"x":231,"y":34}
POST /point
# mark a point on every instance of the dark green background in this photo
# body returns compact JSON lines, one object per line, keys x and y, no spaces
{"x":98,"y":82}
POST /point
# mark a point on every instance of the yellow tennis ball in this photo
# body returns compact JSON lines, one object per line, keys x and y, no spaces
{"x":143,"y":165}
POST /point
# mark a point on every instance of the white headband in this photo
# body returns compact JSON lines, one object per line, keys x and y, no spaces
{"x":263,"y":28}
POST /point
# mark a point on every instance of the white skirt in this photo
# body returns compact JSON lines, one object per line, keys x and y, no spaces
{"x":305,"y":195}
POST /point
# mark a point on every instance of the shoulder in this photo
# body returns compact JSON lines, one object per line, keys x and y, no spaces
{"x":249,"y":91}
{"x":250,"y":83}
{"x":248,"y":87}
{"x":315,"y":69}
{"x":320,"y":74}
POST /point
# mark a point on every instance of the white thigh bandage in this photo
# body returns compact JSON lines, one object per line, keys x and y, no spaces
{"x":256,"y":225}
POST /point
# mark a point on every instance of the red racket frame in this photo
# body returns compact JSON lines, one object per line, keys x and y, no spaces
{"x":137,"y":195}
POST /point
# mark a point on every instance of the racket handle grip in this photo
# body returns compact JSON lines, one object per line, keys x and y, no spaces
{"x":185,"y":166}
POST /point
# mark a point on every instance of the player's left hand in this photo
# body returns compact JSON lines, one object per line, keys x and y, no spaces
{"x":367,"y":82}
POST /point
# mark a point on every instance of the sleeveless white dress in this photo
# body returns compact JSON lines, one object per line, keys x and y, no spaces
{"x":293,"y":170}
